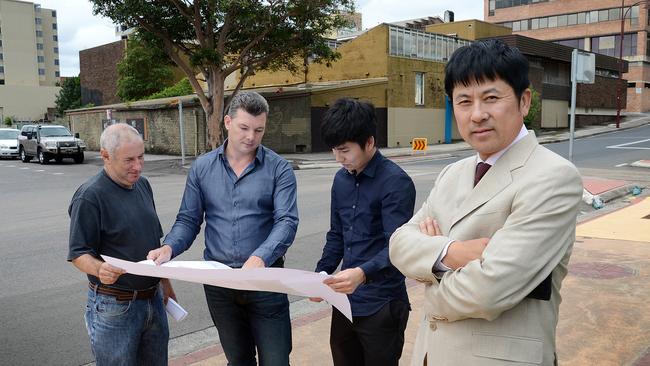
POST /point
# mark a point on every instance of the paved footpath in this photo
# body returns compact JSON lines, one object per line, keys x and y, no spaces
{"x":604,"y":316}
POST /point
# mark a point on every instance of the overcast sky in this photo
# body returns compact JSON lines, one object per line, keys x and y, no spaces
{"x":80,"y":29}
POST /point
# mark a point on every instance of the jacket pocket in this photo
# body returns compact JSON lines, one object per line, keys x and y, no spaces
{"x":517,"y":349}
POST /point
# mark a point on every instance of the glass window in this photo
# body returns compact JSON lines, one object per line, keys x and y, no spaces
{"x":615,"y":14}
{"x":582,"y":18}
{"x":524,"y":25}
{"x":38,"y":20}
{"x":1,"y":56}
{"x":54,"y":26}
{"x":572,"y":19}
{"x":39,"y":46}
{"x":593,"y":16}
{"x":534,"y":23}
{"x":56,"y":49}
{"x":543,"y":23}
{"x":419,"y":88}
{"x":56,"y":62}
{"x":40,"y":58}
{"x":39,"y":33}
{"x":2,"y":81}
{"x":562,"y":20}
{"x":53,"y":13}
{"x":552,"y":22}
{"x":515,"y":26}
{"x":57,"y":74}
{"x":55,"y":38}
{"x":603,"y":15}
{"x":2,"y":69}
{"x":41,"y":71}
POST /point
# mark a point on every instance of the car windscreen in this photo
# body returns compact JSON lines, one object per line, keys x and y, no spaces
{"x":9,"y":135}
{"x":54,"y":132}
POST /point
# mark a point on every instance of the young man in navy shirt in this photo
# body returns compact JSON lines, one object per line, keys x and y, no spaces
{"x":371,"y":197}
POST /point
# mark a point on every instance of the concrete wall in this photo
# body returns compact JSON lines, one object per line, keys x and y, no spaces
{"x":469,"y":29}
{"x":404,"y":124}
{"x":555,"y":113}
{"x":288,"y":127}
{"x":401,"y":83}
{"x":27,"y":103}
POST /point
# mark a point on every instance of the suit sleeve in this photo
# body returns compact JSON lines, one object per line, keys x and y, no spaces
{"x":413,"y":252}
{"x":535,"y":237}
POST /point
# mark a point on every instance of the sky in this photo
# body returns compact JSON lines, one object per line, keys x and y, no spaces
{"x":79,"y":29}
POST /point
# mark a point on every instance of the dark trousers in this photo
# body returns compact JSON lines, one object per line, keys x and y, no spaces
{"x":250,"y":320}
{"x":374,"y":340}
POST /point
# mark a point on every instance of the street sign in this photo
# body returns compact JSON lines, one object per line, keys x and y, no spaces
{"x":583,"y":70}
{"x":419,"y":143}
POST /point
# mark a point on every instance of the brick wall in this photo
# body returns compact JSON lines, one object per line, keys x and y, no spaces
{"x":98,"y":73}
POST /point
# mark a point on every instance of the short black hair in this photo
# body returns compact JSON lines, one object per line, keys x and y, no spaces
{"x":348,"y":120}
{"x":487,"y":59}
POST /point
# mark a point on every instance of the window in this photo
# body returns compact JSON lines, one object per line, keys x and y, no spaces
{"x":2,"y":69}
{"x":1,"y":56}
{"x":57,"y":74}
{"x":56,"y":62}
{"x":615,"y":14}
{"x":543,"y":23}
{"x":572,"y":19}
{"x":38,"y":20}
{"x":40,"y":58}
{"x":55,"y":38}
{"x":53,"y":13}
{"x":610,"y":45}
{"x":524,"y":25}
{"x":39,"y":33}
{"x":582,"y":18}
{"x":603,"y":15}
{"x":56,"y":49}
{"x":562,"y":20}
{"x":39,"y":46}
{"x":54,"y":26}
{"x":41,"y":71}
{"x":515,"y":27}
{"x":552,"y":22}
{"x":2,"y":81}
{"x":419,"y":88}
{"x":0,"y":43}
{"x":534,"y":24}
{"x":631,"y":85}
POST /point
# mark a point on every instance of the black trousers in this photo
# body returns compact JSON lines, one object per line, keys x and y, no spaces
{"x":374,"y":340}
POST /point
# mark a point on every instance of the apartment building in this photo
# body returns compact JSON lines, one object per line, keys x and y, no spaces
{"x":29,"y":60}
{"x":591,"y":25}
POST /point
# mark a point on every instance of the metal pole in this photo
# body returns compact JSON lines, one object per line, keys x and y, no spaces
{"x":620,"y":67}
{"x":180,"y":123}
{"x":574,"y":82}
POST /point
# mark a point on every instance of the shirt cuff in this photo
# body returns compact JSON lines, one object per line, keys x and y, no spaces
{"x":439,"y":266}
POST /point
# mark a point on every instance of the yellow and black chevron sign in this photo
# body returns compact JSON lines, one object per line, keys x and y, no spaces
{"x":419,"y":143}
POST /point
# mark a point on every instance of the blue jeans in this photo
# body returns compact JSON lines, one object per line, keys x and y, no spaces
{"x":246,"y":319}
{"x":127,"y":332}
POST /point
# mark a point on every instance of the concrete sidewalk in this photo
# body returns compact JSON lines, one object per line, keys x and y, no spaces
{"x":603,"y":316}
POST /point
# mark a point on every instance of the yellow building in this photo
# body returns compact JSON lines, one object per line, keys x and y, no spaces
{"x":410,"y":100}
{"x":29,"y":60}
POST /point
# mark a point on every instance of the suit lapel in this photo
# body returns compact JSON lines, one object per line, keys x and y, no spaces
{"x":496,"y":179}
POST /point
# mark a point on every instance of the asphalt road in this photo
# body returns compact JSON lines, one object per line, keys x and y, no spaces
{"x":42,"y":298}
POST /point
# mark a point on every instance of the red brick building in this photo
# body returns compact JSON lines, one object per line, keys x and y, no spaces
{"x":591,"y":25}
{"x":98,"y":73}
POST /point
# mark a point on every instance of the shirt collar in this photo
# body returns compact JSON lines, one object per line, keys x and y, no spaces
{"x":492,"y":159}
{"x":259,"y":155}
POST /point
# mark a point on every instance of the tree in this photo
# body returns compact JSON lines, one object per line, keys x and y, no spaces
{"x":535,"y":108}
{"x":69,"y":96}
{"x":145,"y":69}
{"x":214,"y":38}
{"x":181,"y":88}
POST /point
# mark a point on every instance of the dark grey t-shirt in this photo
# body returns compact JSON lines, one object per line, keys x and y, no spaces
{"x":106,"y":218}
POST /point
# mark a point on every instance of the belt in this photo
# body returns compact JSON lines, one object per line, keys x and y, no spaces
{"x":124,"y":295}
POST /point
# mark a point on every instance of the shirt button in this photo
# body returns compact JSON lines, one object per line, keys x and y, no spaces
{"x":235,"y":204}
{"x":354,"y":206}
{"x":357,"y":184}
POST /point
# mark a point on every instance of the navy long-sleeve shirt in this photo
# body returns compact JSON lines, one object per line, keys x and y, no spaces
{"x":253,"y":214}
{"x":365,"y":211}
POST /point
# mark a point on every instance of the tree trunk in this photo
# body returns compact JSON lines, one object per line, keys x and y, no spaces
{"x":215,"y":115}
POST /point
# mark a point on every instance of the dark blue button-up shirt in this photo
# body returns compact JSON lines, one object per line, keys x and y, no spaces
{"x":253,"y":214}
{"x":365,"y":211}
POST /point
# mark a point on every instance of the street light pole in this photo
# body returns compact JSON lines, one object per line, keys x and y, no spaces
{"x":620,"y":59}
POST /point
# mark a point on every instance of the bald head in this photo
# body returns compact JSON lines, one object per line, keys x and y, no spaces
{"x":116,"y":135}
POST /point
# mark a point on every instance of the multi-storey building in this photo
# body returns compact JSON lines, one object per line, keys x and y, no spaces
{"x":591,"y":25}
{"x":29,"y":60}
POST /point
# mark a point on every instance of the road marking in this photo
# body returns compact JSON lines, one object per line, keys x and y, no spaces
{"x":620,"y":165}
{"x":57,"y":173}
{"x":24,"y":168}
{"x":625,"y":145}
{"x":39,"y":170}
{"x":11,"y":166}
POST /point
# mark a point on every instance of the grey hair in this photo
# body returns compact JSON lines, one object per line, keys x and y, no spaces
{"x":251,"y":102}
{"x":116,"y":134}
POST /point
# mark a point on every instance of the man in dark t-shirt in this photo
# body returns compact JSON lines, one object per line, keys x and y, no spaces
{"x":113,"y":213}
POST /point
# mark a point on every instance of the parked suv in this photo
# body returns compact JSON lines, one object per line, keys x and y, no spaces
{"x":47,"y":142}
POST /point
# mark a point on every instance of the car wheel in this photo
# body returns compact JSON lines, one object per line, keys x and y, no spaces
{"x":23,"y":156}
{"x":79,"y":158}
{"x":42,"y":158}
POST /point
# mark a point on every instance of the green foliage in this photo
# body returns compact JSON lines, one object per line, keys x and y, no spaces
{"x":8,"y":121}
{"x":145,"y":69}
{"x":535,"y":108}
{"x":181,"y":88}
{"x":69,"y":97}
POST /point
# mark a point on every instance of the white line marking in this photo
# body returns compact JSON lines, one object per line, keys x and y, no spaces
{"x":57,"y":173}
{"x":11,"y":166}
{"x":623,"y":146}
{"x":39,"y":170}
{"x":23,"y":168}
{"x":620,"y":165}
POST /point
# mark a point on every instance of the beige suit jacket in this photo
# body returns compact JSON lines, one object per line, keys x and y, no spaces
{"x":527,"y":205}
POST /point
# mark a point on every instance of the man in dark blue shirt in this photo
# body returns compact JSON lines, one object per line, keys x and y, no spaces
{"x":371,"y":197}
{"x":246,"y":194}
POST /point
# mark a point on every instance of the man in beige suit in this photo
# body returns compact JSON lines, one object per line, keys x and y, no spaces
{"x":492,"y":251}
